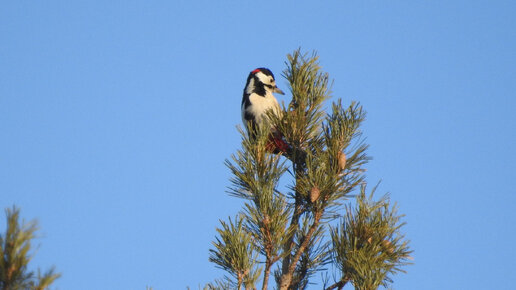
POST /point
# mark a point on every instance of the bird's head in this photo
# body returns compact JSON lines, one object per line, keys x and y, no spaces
{"x":260,"y":81}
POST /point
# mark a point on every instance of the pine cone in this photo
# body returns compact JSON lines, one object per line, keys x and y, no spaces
{"x":388,"y":247}
{"x":314,"y":194}
{"x":342,"y":160}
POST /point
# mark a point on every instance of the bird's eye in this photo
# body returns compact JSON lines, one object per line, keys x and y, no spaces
{"x":272,"y":80}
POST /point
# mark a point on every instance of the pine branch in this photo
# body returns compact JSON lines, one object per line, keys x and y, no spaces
{"x":15,"y":247}
{"x":235,"y":253}
{"x":286,"y":278}
{"x":294,"y":224}
{"x":320,"y":185}
{"x":315,"y":256}
{"x":46,"y":279}
{"x":368,"y":246}
{"x":338,"y":285}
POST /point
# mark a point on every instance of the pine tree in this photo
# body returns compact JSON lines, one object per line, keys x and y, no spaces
{"x":290,"y":234}
{"x":15,"y":251}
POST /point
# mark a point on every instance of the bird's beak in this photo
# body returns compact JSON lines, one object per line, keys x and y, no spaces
{"x":277,"y":90}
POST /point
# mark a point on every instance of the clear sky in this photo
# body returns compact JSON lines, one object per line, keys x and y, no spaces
{"x":116,"y":118}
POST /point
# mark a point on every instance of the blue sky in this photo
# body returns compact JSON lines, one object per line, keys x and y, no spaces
{"x":116,"y":117}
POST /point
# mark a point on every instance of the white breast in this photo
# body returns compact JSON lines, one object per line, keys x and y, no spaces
{"x":259,"y":105}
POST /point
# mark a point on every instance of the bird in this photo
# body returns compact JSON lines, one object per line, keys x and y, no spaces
{"x":257,"y":100}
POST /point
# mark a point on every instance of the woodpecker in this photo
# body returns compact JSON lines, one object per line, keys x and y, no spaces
{"x":257,"y":100}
